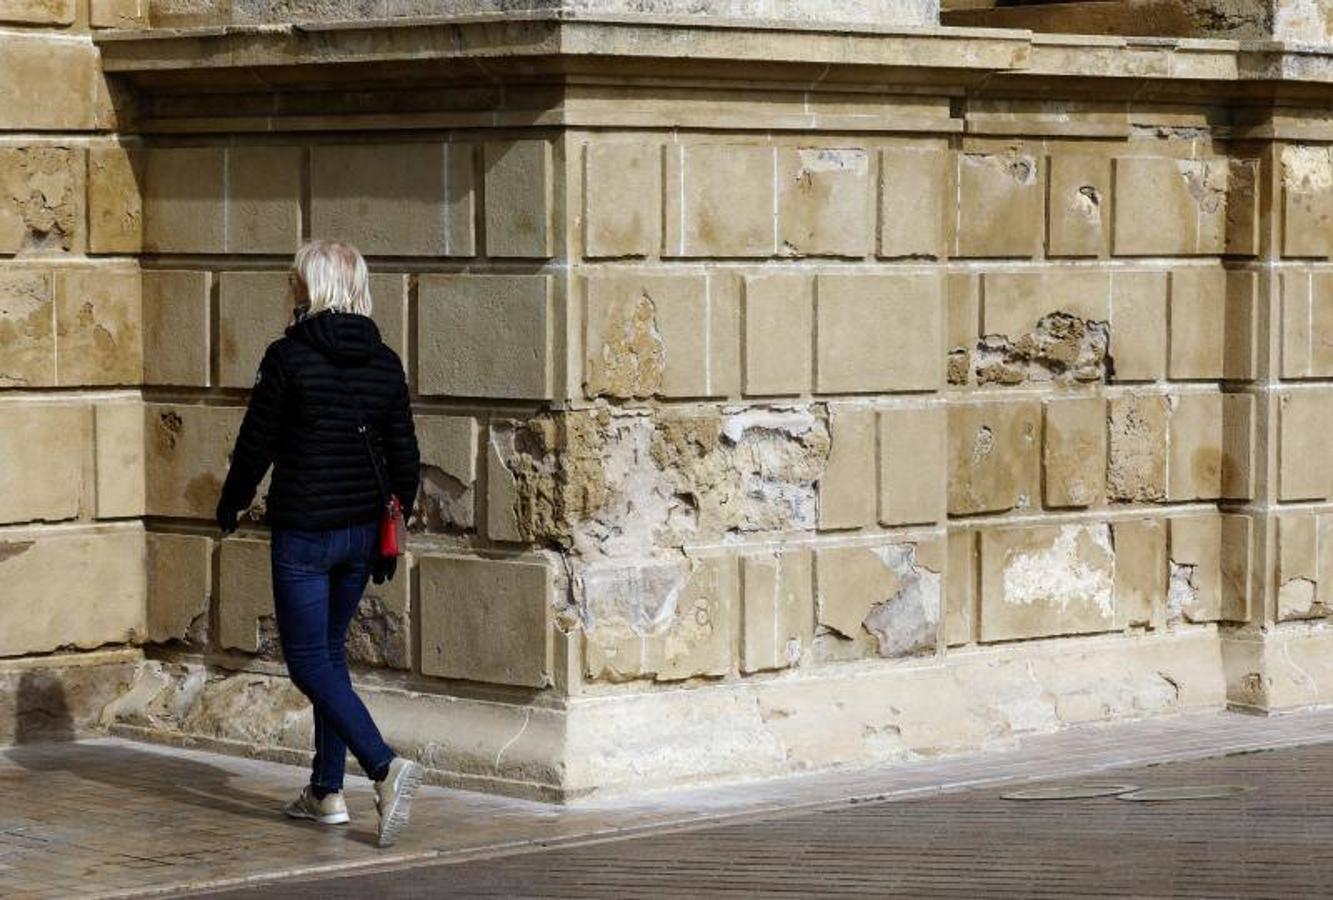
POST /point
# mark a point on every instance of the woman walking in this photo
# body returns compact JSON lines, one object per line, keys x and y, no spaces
{"x":325,"y":382}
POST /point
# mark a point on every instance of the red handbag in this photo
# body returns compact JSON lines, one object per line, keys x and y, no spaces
{"x":393,"y":529}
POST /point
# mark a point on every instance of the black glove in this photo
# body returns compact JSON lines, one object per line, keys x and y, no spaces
{"x":226,"y":517}
{"x":383,"y":569}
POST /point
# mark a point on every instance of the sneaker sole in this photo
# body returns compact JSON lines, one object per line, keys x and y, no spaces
{"x":332,"y":819}
{"x":395,"y":820}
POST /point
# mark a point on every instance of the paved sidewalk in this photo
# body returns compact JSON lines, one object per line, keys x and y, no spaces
{"x":114,"y":818}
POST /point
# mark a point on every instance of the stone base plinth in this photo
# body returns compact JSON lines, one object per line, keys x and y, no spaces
{"x":60,"y":697}
{"x":1281,"y":669}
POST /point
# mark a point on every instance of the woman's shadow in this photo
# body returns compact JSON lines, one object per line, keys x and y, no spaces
{"x":45,"y":742}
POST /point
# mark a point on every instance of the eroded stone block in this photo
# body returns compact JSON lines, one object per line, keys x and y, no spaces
{"x":120,"y":459}
{"x":878,"y":333}
{"x":1194,"y":591}
{"x":889,"y":592}
{"x":777,"y":618}
{"x":180,"y":583}
{"x":263,"y":212}
{"x":41,"y":198}
{"x":1298,"y":590}
{"x":1305,"y":420}
{"x":41,"y":462}
{"x":380,"y":634}
{"x":518,"y":198}
{"x":186,"y":455}
{"x":622,"y":199}
{"x":962,"y":292}
{"x":994,"y":456}
{"x":1000,"y":212}
{"x":408,"y":199}
{"x":913,"y":465}
{"x":720,"y":200}
{"x":824,"y":202}
{"x":254,"y":308}
{"x":52,"y":574}
{"x":779,"y":321}
{"x":1137,"y":444}
{"x":27,"y":333}
{"x":1074,"y":452}
{"x":176,"y":327}
{"x":846,"y":495}
{"x":1307,"y":201}
{"x":1044,"y":326}
{"x":99,"y":328}
{"x":1171,"y":207}
{"x":915,"y":202}
{"x":184,"y":200}
{"x":486,"y":619}
{"x":448,"y":472}
{"x":245,"y":598}
{"x":1047,"y":580}
{"x":115,"y":201}
{"x":1140,"y":572}
{"x":1079,"y":205}
{"x":484,"y":335}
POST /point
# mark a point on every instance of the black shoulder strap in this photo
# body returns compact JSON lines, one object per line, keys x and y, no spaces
{"x":363,"y":429}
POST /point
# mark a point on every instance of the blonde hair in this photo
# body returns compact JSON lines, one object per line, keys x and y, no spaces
{"x":335,"y":277}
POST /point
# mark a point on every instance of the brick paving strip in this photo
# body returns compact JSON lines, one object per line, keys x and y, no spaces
{"x":114,"y":818}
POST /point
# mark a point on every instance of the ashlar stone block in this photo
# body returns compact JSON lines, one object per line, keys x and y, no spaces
{"x":263,"y":213}
{"x":824,"y":202}
{"x":846,"y":489}
{"x":120,"y":459}
{"x":184,"y":200}
{"x":38,"y":12}
{"x":1140,"y":572}
{"x":622,"y":199}
{"x":51,"y":573}
{"x":1299,"y":592}
{"x":176,"y":327}
{"x":960,"y":589}
{"x":878,"y":333}
{"x":389,"y":299}
{"x":1137,"y":444}
{"x":916,"y":202}
{"x":42,"y":198}
{"x":519,"y":183}
{"x":1139,"y":325}
{"x":1001,"y":205}
{"x":1212,"y":324}
{"x":994,"y":456}
{"x":1211,"y":446}
{"x":41,"y":461}
{"x":484,"y":336}
{"x":913,"y":465}
{"x":1194,"y":592}
{"x":115,"y":200}
{"x":253,"y":310}
{"x":1305,"y":420}
{"x":1171,"y":207}
{"x":779,"y":322}
{"x":180,"y":585}
{"x":1307,"y":201}
{"x":99,"y":327}
{"x":118,"y":13}
{"x":1074,"y":452}
{"x":962,"y":292}
{"x":661,"y":335}
{"x":27,"y":332}
{"x":720,"y":201}
{"x":245,"y":597}
{"x":1307,"y":324}
{"x":1079,"y":205}
{"x":448,"y":472}
{"x":486,"y":620}
{"x":67,"y":72}
{"x":1016,"y":301}
{"x":186,"y":457}
{"x":777,"y":613}
{"x":1047,"y":580}
{"x":403,"y":199}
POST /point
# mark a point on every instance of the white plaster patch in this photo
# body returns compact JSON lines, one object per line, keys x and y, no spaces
{"x":1060,"y":575}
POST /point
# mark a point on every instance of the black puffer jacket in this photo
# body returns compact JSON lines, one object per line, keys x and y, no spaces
{"x":302,"y":419}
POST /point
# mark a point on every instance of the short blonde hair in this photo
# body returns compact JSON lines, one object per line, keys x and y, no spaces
{"x":335,"y":277}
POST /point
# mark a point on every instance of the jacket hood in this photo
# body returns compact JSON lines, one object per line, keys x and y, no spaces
{"x":345,"y":338}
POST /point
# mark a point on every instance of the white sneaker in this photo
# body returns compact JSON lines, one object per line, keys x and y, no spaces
{"x":332,"y":810}
{"x":394,"y":797}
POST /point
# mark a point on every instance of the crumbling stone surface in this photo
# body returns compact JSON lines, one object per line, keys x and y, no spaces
{"x":1136,"y":470}
{"x":1061,"y":348}
{"x":879,"y":600}
{"x":41,"y":200}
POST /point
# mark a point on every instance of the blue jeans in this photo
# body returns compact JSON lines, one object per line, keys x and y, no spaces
{"x":318,"y":579}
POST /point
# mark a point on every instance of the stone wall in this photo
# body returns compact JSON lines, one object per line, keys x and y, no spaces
{"x":72,"y":557}
{"x":913,"y":393}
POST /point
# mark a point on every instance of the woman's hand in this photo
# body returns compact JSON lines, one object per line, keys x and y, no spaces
{"x":383,"y":569}
{"x":226,"y":517}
